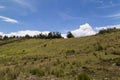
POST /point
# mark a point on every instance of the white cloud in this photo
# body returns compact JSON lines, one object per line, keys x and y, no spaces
{"x":25,"y":4}
{"x":109,"y":5}
{"x":26,"y":32}
{"x":7,"y":19}
{"x":84,"y":30}
{"x":87,"y":30}
{"x":115,"y":16}
{"x":1,"y":33}
{"x":22,"y":2}
{"x":64,"y":35}
{"x":106,"y":27}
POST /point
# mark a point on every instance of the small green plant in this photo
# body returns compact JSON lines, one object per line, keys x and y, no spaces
{"x":38,"y":72}
{"x":117,"y":61}
{"x":116,"y":52}
{"x":57,"y":62}
{"x":99,"y":46}
{"x":23,"y":50}
{"x":70,"y":52}
{"x":83,"y":76}
{"x":58,"y":73}
{"x":95,"y":54}
{"x":44,"y":45}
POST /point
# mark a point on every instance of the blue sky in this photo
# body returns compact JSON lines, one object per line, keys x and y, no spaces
{"x":57,"y":15}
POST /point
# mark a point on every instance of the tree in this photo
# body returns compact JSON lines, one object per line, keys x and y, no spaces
{"x":57,"y":35}
{"x":0,"y":37}
{"x":108,"y":30}
{"x":54,"y":35}
{"x":27,"y":36}
{"x":5,"y":37}
{"x":50,"y":35}
{"x":70,"y":35}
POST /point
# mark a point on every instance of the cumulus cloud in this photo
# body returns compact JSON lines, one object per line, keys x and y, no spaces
{"x":87,"y":30}
{"x":64,"y":35}
{"x":7,"y":19}
{"x":84,"y":30}
{"x":26,"y":32}
{"x":106,"y":27}
{"x":1,"y":33}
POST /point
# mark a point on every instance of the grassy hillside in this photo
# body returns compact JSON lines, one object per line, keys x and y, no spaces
{"x":61,"y":59}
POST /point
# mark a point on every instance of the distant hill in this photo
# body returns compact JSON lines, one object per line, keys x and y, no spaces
{"x":97,"y":56}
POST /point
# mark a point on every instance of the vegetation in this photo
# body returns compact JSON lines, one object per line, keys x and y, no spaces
{"x":51,"y":35}
{"x":94,"y":57}
{"x":83,"y":76}
{"x":70,"y":35}
{"x":38,"y":72}
{"x":109,"y":30}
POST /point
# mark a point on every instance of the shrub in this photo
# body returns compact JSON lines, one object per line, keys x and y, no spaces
{"x":46,"y":57}
{"x":56,"y":62}
{"x":9,"y":74}
{"x":95,"y":54}
{"x":117,"y":61}
{"x":83,"y":76}
{"x":85,"y":69}
{"x":73,"y":72}
{"x":109,"y":30}
{"x":38,"y":72}
{"x":99,"y":47}
{"x":116,"y":52}
{"x":70,"y":35}
{"x":70,"y":52}
{"x":44,"y":45}
{"x":23,"y":50}
{"x":58,"y":73}
{"x":106,"y":53}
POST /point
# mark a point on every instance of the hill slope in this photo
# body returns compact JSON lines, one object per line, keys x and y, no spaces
{"x":61,"y":59}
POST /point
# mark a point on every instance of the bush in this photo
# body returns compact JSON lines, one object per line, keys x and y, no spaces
{"x":83,"y":76}
{"x":70,"y":35}
{"x":116,"y":52}
{"x":117,"y":61}
{"x":58,"y":73}
{"x":99,"y":46}
{"x":38,"y":72}
{"x":8,"y":74}
{"x":70,"y":52}
{"x":95,"y":54}
{"x":109,"y":30}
